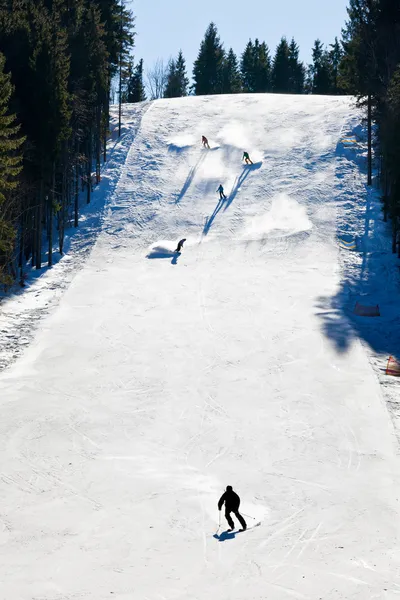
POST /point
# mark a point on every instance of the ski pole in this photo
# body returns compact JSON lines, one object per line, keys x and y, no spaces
{"x":219,"y":522}
{"x":249,"y":516}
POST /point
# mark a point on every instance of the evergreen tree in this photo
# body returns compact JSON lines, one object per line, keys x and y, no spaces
{"x":177,"y":81}
{"x":320,"y":72}
{"x":336,"y":56}
{"x":296,"y":70}
{"x":256,"y":67}
{"x":135,"y":89}
{"x":10,"y":168}
{"x":281,"y":71}
{"x":183,"y":80}
{"x":208,"y":67}
{"x":262,"y":67}
{"x":247,"y":68}
{"x":232,"y":83}
{"x":62,"y":56}
{"x":370,"y":70}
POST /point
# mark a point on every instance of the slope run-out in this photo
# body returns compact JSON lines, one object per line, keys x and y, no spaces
{"x":161,"y":378}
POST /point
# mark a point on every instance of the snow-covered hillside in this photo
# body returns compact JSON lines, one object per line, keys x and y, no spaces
{"x":161,"y":378}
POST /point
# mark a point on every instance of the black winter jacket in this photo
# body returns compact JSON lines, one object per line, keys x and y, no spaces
{"x":231,"y":499}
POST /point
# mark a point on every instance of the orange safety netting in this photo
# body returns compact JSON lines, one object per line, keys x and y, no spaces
{"x":393,"y":367}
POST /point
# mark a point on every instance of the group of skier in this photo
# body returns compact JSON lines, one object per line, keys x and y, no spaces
{"x":229,"y":497}
{"x":220,"y":189}
{"x":245,"y":157}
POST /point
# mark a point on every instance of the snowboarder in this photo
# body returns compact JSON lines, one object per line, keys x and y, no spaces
{"x":232,"y":503}
{"x":180,"y":245}
{"x":221,"y":192}
{"x":247,"y":158}
{"x":204,"y":141}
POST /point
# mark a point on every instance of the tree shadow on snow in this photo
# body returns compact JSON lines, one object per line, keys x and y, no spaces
{"x":369,"y":269}
{"x":239,"y":181}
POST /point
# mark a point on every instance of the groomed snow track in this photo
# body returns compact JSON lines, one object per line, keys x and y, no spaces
{"x":161,"y":378}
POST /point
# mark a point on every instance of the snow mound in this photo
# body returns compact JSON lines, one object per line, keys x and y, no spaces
{"x":285,"y":218}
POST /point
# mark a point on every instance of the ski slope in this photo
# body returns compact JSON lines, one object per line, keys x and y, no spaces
{"x":161,"y":378}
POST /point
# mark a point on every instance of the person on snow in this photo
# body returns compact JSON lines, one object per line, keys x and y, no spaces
{"x":247,"y":158}
{"x":232,"y":503}
{"x":221,"y":192}
{"x":180,"y":245}
{"x":204,"y":141}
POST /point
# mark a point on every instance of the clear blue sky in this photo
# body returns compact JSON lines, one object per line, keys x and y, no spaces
{"x":165,"y":26}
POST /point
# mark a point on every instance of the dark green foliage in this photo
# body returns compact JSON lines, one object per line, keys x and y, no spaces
{"x":320,"y":71}
{"x":281,"y":68}
{"x":208,"y":67}
{"x":10,"y":168}
{"x":256,"y":68}
{"x":61,"y":56}
{"x":135,"y":89}
{"x":177,"y":81}
{"x":232,"y":81}
{"x":296,"y":70}
{"x":247,"y":68}
{"x":370,"y":69}
{"x":336,"y":57}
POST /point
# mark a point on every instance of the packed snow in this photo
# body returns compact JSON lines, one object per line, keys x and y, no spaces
{"x":157,"y":379}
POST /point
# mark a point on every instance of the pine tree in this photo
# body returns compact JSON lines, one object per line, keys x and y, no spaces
{"x":262,"y":67}
{"x":10,"y":168}
{"x":135,"y":89}
{"x":336,"y":56}
{"x":208,"y":67}
{"x":62,"y":56}
{"x":177,"y":81}
{"x":232,"y":83}
{"x":247,"y":68}
{"x":320,"y":70}
{"x":183,"y":80}
{"x":296,"y":70}
{"x":281,"y":68}
{"x":256,"y":67}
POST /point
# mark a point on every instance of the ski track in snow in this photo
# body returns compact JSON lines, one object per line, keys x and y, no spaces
{"x":158,"y":379}
{"x":21,"y":313}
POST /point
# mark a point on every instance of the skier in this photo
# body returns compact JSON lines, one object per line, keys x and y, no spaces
{"x":204,"y":141}
{"x":247,"y":158}
{"x":180,"y":245}
{"x":221,"y":192}
{"x":232,"y":503}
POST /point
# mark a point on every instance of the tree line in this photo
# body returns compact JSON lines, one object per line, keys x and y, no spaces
{"x":370,"y":70}
{"x":217,"y":71}
{"x":58,"y":59}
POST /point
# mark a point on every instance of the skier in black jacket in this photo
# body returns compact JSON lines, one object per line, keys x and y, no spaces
{"x":180,"y":245}
{"x":232,"y":503}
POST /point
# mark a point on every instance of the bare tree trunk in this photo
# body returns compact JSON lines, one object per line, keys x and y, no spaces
{"x":21,"y":246}
{"x":106,"y":125}
{"x":39,"y":213}
{"x":120,"y":74}
{"x":394,"y":234}
{"x":369,"y":140}
{"x":89,"y":166}
{"x":51,"y":214}
{"x":98,"y":143}
{"x":76,"y":202}
{"x":64,"y":203}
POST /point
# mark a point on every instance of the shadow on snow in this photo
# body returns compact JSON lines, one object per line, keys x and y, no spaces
{"x":369,"y":273}
{"x":162,"y":252}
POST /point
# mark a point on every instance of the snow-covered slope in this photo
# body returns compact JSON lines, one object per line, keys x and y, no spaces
{"x":162,"y":378}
